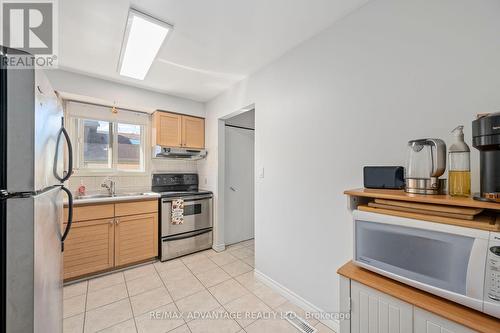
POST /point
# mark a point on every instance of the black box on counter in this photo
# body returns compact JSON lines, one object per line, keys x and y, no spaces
{"x":388,"y":177}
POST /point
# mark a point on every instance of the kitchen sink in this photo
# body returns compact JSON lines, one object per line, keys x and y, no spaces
{"x":92,"y":196}
{"x":129,"y":194}
{"x":107,"y":195}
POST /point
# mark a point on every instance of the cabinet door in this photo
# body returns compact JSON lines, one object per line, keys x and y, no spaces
{"x":426,"y":322}
{"x":193,"y":132}
{"x":88,"y":248}
{"x":373,"y":311}
{"x":168,"y":129}
{"x":136,"y":238}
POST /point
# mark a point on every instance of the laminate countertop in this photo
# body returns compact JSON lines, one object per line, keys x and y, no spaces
{"x":115,"y":198}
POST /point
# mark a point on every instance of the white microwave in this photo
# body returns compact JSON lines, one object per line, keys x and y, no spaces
{"x":456,"y":263}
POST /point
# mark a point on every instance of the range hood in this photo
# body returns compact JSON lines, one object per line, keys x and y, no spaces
{"x":179,"y":153}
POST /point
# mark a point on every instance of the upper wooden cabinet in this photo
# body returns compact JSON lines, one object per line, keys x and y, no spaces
{"x":175,"y":130}
{"x":193,"y":132}
{"x":168,"y":128}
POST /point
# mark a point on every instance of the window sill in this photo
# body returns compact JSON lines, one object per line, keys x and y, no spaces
{"x":104,"y":173}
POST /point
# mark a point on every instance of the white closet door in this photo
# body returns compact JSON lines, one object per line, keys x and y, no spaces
{"x":239,"y":192}
{"x":375,"y":312}
{"x":426,"y":322}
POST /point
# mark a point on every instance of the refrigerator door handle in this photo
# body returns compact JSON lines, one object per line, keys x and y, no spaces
{"x":70,"y":216}
{"x":70,"y":156}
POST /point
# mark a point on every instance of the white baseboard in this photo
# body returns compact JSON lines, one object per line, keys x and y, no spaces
{"x":296,"y":299}
{"x":219,"y":247}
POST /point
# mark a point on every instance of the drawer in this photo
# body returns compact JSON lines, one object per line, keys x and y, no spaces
{"x":179,"y":245}
{"x":136,"y":207}
{"x":91,"y":212}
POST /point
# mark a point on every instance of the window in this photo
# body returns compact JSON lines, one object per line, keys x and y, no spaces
{"x":96,"y":144}
{"x":109,"y":146}
{"x":129,"y":146}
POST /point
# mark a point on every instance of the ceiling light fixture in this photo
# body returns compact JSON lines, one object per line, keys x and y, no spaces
{"x":143,"y":38}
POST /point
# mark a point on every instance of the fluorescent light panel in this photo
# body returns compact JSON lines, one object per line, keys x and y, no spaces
{"x":142,"y":41}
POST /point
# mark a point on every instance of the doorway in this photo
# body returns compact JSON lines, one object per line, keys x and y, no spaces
{"x":239,"y":178}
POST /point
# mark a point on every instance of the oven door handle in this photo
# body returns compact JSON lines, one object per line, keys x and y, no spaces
{"x":188,"y":235}
{"x":188,"y":199}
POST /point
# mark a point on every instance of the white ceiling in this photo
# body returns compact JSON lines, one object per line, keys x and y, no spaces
{"x":215,"y":43}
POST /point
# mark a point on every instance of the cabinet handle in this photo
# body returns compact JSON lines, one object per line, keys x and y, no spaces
{"x":117,"y":221}
{"x":111,"y":221}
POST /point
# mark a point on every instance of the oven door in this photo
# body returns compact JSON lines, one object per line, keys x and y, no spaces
{"x":197,"y":215}
{"x":445,"y":260}
{"x":179,"y":245}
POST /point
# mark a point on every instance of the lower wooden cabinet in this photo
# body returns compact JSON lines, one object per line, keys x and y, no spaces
{"x":136,"y":238}
{"x":89,"y":247}
{"x":103,"y":237}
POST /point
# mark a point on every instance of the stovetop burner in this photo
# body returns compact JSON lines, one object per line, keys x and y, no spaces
{"x":168,"y":194}
{"x":176,"y":185}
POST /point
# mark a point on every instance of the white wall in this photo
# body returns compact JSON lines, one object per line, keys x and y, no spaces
{"x":245,"y":119}
{"x":97,"y":90}
{"x":353,"y":96}
{"x":88,"y":89}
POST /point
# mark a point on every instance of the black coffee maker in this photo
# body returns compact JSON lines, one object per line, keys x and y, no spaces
{"x":486,"y":138}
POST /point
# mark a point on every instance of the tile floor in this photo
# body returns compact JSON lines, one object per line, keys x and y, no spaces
{"x":159,"y":297}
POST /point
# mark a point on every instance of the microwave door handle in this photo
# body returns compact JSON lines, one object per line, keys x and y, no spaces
{"x":476,"y":269}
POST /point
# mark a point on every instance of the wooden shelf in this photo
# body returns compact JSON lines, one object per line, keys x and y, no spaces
{"x":433,"y":199}
{"x":482,"y":225}
{"x":465,"y":316}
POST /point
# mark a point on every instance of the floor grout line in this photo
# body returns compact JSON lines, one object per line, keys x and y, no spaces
{"x":173,"y":301}
{"x":130,"y":303}
{"x":208,"y":290}
{"x":85,"y":311}
{"x":157,"y":272}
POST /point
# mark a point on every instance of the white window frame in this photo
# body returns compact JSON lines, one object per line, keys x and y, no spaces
{"x":75,"y":125}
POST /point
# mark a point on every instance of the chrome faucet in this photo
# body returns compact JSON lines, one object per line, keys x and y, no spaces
{"x":110,"y":187}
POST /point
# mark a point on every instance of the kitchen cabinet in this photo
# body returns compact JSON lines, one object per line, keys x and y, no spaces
{"x":373,"y":311}
{"x":426,"y":322}
{"x":136,"y":238}
{"x":369,"y":302}
{"x":168,"y":127}
{"x":193,"y":132}
{"x":105,"y":236}
{"x":89,"y":247}
{"x":175,"y":130}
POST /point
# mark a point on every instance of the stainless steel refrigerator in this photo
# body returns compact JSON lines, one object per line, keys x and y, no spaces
{"x":33,"y":146}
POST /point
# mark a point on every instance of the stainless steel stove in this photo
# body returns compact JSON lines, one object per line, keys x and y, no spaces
{"x":195,"y":232}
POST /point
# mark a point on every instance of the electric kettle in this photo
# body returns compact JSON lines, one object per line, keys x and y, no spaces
{"x":426,"y":163}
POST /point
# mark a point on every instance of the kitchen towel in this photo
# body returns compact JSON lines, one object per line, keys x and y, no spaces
{"x":177,"y":211}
